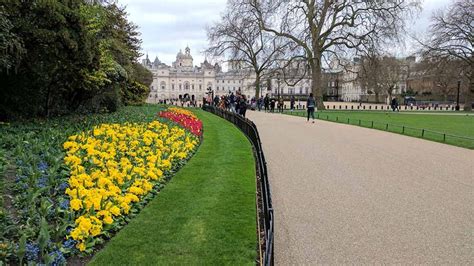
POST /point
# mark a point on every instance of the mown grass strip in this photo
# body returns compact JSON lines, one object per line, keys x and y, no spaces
{"x":205,"y":214}
{"x":445,"y":127}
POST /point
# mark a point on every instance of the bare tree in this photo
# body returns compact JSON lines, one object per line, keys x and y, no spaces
{"x":238,"y":37}
{"x":445,"y":73}
{"x":380,"y":74}
{"x":452,"y":36}
{"x":326,"y":27}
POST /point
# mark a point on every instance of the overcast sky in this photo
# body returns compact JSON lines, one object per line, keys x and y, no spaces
{"x":169,"y":25}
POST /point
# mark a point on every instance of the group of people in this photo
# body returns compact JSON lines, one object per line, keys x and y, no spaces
{"x":238,"y":103}
{"x":268,"y":104}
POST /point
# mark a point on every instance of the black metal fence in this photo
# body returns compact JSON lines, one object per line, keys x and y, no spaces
{"x":250,"y":130}
{"x":462,"y":141}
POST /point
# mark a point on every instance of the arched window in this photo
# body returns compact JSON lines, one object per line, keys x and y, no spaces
{"x":186,"y":86}
{"x":180,"y":87}
{"x":163,"y":85}
{"x":209,"y":85}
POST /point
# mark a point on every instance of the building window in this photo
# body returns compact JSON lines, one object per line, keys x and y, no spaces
{"x":151,"y":87}
{"x":172,"y":87}
{"x":217,"y":88}
{"x":180,"y":87}
{"x":228,"y":81}
{"x":192,"y":87}
{"x":200,"y":87}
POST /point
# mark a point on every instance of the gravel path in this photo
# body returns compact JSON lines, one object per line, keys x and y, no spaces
{"x":346,"y":194}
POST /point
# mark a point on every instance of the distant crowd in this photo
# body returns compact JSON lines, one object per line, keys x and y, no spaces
{"x":238,"y":103}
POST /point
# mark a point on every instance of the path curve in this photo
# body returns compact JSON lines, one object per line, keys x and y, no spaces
{"x":346,"y":194}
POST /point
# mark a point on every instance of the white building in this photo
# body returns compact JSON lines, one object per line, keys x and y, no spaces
{"x":183,"y":80}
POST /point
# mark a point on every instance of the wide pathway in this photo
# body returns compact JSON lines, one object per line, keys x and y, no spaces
{"x":346,"y":194}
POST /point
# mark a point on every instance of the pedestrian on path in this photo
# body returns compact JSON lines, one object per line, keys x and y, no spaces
{"x":311,"y":104}
{"x":266,"y":102}
{"x":292,"y":103}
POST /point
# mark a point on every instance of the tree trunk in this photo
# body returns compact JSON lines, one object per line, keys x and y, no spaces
{"x":316,"y":82}
{"x":376,"y":97}
{"x":257,"y":85}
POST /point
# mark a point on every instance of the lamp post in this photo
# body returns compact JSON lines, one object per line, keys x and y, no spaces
{"x":457,"y":98}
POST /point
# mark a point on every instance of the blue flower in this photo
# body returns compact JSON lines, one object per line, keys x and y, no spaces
{"x":32,"y":252}
{"x":64,"y":204}
{"x":57,"y":258}
{"x":20,"y":178}
{"x":70,"y":243}
{"x":63,"y":186}
{"x":42,"y":181}
{"x":43,"y":166}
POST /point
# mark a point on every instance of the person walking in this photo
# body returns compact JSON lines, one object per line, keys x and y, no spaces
{"x":292,"y":103}
{"x":232,"y":102}
{"x":266,"y":102}
{"x":272,"y":105}
{"x":311,"y":104}
{"x":281,"y":104}
{"x":243,"y":106}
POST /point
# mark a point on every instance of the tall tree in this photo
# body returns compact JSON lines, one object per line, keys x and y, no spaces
{"x":380,"y":74}
{"x":238,"y":37}
{"x":321,"y":27}
{"x":451,"y":35}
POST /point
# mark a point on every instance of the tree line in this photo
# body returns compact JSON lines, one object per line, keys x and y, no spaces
{"x":61,"y":57}
{"x":277,"y":35}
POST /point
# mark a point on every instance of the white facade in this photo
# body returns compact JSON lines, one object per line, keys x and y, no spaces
{"x":182,"y":79}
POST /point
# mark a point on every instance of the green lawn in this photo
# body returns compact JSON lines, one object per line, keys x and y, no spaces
{"x":409,"y":124}
{"x":205,"y":215}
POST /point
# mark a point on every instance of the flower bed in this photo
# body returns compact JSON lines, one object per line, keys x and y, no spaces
{"x":184,"y":118}
{"x":113,"y":167}
{"x":74,"y":184}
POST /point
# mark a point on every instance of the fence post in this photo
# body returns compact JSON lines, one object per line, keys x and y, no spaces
{"x":403,"y":130}
{"x":359,"y":122}
{"x":422,"y":133}
{"x":337,"y":118}
{"x":372,"y":124}
{"x":444,"y":137}
{"x":348,"y":121}
{"x":327,"y":117}
{"x":386,"y":127}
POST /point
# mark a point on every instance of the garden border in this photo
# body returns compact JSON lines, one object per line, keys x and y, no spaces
{"x":250,"y":130}
{"x":386,"y":127}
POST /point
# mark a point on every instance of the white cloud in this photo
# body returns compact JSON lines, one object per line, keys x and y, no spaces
{"x":167,"y":26}
{"x":170,"y":25}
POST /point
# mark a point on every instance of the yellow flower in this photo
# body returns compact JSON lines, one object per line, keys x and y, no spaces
{"x":108,"y":220}
{"x":81,"y":246}
{"x":115,"y":210}
{"x":76,"y":204}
